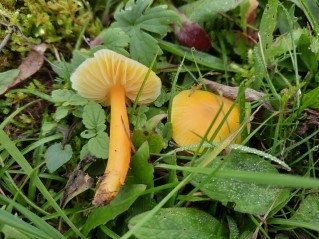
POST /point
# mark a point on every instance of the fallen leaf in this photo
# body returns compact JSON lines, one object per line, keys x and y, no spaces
{"x":232,"y":92}
{"x":193,"y":35}
{"x":30,"y":65}
{"x":309,"y":120}
{"x":78,"y":182}
{"x":251,"y":12}
{"x":250,"y":19}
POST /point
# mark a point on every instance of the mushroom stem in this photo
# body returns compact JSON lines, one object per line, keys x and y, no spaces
{"x":119,"y":150}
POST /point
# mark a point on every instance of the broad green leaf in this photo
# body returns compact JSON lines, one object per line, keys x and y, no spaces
{"x":244,"y":197}
{"x":89,"y":133}
{"x":205,"y":10}
{"x":65,"y":69}
{"x":283,"y":44}
{"x":99,"y":145}
{"x":122,"y":202}
{"x":308,"y":211}
{"x":310,"y":99}
{"x":61,"y":112}
{"x":155,"y":140}
{"x":167,"y":131}
{"x":68,"y":97}
{"x":141,"y":171}
{"x":308,"y":58}
{"x":84,"y":151}
{"x":200,"y":58}
{"x":114,"y":39}
{"x":93,"y":115}
{"x":56,"y":156}
{"x":143,"y":46}
{"x":182,"y":223}
{"x":76,"y":100}
{"x":139,"y":21}
{"x":61,"y":95}
{"x":163,"y":98}
{"x":7,"y":78}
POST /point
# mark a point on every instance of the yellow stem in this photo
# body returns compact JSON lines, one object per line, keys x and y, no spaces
{"x":119,"y":150}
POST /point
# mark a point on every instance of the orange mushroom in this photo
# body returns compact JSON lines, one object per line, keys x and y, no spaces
{"x":193,"y":112}
{"x":110,"y":79}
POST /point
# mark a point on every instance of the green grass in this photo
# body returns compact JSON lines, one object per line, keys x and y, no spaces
{"x":265,"y":188}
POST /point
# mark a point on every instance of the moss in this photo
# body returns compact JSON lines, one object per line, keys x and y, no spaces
{"x":57,"y":22}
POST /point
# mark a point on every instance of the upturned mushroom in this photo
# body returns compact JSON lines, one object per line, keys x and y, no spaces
{"x":112,"y":79}
{"x":194,"y":111}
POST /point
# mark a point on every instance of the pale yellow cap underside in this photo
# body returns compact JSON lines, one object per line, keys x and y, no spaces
{"x":96,"y":76}
{"x":194,"y":111}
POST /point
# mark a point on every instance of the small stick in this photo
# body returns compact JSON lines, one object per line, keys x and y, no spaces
{"x":232,"y":92}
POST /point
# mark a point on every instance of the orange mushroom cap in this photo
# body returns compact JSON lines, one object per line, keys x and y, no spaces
{"x":194,"y":111}
{"x":96,"y":76}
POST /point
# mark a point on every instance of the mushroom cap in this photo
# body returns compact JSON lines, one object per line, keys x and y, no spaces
{"x":96,"y":76}
{"x":194,"y":111}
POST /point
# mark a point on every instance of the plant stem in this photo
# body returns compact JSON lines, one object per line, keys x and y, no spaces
{"x":119,"y":150}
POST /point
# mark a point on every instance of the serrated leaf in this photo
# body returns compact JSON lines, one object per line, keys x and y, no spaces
{"x":99,"y":145}
{"x":84,"y":151}
{"x":76,"y":100}
{"x":65,"y":69}
{"x":61,"y":112}
{"x":87,"y":134}
{"x":61,"y":95}
{"x":56,"y":156}
{"x":204,"y":10}
{"x":243,"y":197}
{"x":93,"y":115}
{"x":163,"y":98}
{"x":182,"y":223}
{"x":143,"y":47}
{"x":138,"y":18}
{"x":115,"y":39}
{"x":7,"y":78}
{"x":122,"y":202}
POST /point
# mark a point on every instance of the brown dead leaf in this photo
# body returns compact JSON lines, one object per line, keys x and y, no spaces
{"x":250,"y":20}
{"x":251,"y":12}
{"x":78,"y":182}
{"x":232,"y":92}
{"x":309,"y":121}
{"x":30,"y":65}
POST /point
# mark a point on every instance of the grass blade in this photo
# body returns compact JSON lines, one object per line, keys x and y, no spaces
{"x":21,"y":160}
